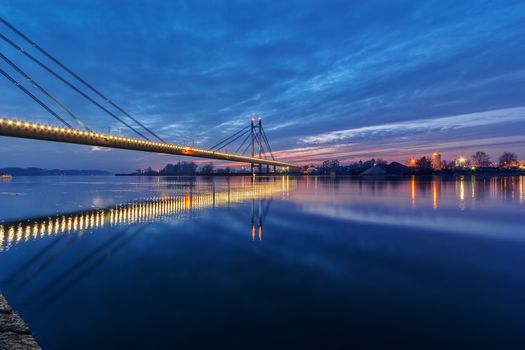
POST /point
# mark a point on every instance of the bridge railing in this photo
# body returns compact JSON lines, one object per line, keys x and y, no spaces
{"x":38,"y":131}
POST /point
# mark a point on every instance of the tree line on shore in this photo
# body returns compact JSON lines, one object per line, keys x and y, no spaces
{"x":479,"y":161}
{"x":422,"y":165}
{"x":183,"y":168}
{"x":507,"y":159}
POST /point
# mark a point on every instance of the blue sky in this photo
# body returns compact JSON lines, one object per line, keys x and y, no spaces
{"x":332,"y":79}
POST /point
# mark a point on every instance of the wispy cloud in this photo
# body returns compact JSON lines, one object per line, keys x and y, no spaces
{"x":100,"y":149}
{"x":419,"y":126}
{"x":399,"y":150}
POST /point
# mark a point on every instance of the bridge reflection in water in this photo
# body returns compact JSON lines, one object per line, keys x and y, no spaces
{"x":150,"y":210}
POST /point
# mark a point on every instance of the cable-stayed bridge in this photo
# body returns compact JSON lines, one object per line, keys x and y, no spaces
{"x":251,"y":143}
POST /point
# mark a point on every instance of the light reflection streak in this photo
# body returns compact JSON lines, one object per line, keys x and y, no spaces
{"x":462,"y":193}
{"x":148,"y":210}
{"x":473,"y":189}
{"x":469,"y":190}
{"x":521,"y":188}
{"x":434,"y":194}
{"x":413,"y":190}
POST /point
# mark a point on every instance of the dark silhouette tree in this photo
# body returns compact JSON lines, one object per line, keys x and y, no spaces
{"x":481,"y":158}
{"x":207,"y":169}
{"x":507,"y":159}
{"x":330,"y":166}
{"x":424,"y":163}
{"x":150,"y":172}
{"x":181,"y":168}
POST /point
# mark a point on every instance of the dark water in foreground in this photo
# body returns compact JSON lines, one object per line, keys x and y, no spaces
{"x":310,"y":263}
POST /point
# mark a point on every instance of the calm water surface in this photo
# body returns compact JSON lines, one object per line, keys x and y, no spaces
{"x":285,"y":262}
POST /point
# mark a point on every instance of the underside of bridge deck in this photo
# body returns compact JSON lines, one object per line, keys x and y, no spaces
{"x":37,"y":131}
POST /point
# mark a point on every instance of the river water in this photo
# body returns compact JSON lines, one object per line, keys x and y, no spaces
{"x":270,"y":263}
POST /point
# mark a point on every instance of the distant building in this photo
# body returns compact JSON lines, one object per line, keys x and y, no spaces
{"x":392,"y":169}
{"x":374,"y":171}
{"x":396,"y":168}
{"x":435,"y":161}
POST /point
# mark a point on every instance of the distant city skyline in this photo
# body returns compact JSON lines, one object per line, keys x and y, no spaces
{"x":332,"y":80}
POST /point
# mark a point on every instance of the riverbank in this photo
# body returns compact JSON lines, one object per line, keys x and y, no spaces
{"x":362,"y":175}
{"x":32,"y":171}
{"x":14,"y":332}
{"x":205,"y":175}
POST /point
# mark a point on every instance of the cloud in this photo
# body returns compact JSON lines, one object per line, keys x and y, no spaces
{"x":418,"y":126}
{"x":363,"y":74}
{"x":99,"y":149}
{"x":399,"y":150}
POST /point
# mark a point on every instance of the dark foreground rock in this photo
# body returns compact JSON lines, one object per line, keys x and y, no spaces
{"x":14,"y":332}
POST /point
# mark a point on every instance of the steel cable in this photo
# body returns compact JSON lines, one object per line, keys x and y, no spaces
{"x":76,"y":76}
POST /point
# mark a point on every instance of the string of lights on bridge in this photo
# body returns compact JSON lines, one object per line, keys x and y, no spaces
{"x":17,"y":128}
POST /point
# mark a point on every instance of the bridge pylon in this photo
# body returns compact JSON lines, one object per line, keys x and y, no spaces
{"x":259,"y":142}
{"x":252,"y":140}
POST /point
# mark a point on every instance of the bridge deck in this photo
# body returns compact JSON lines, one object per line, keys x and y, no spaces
{"x":37,"y":131}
